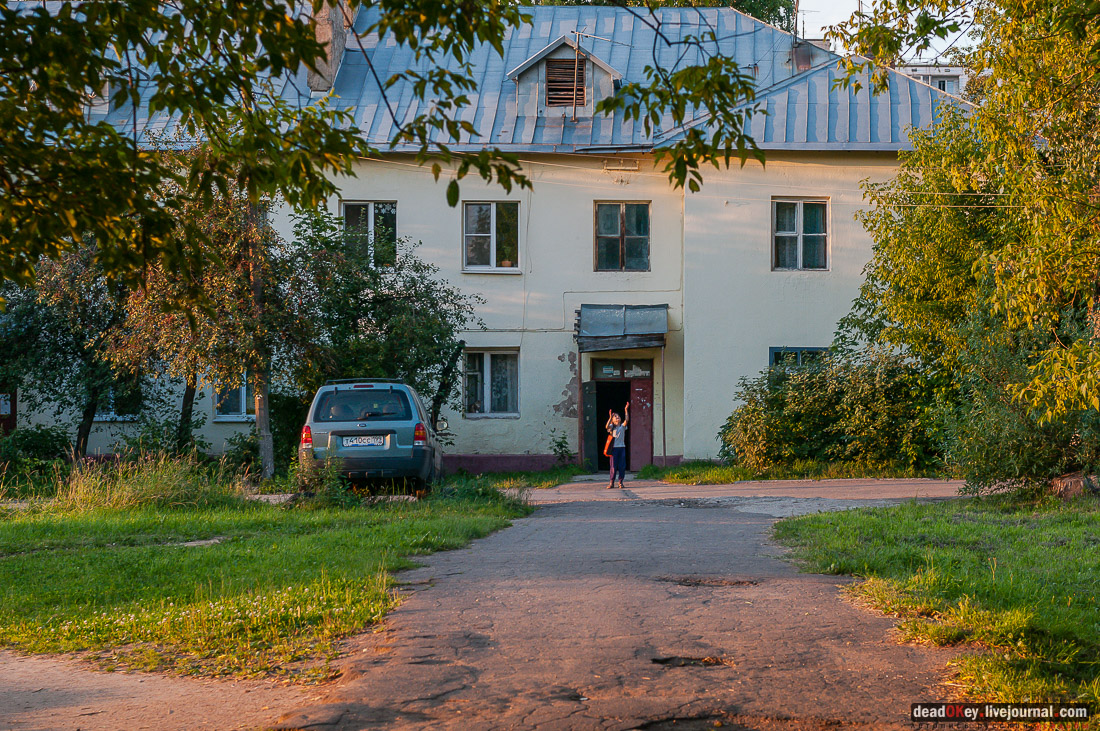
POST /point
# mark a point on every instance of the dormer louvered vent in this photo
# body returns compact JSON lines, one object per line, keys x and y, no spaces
{"x":565,"y":82}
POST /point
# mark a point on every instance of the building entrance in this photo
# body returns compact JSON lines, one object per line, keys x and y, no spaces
{"x":616,"y":382}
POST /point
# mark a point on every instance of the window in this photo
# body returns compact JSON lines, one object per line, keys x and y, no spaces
{"x":491,"y":235}
{"x":236,"y":402}
{"x":565,"y":82}
{"x":492,"y":383}
{"x":622,"y":237}
{"x":800,"y":239}
{"x":122,"y":402}
{"x":373,"y":227}
{"x":794,"y":357}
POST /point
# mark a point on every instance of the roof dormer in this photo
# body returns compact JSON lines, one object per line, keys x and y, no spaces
{"x":561,"y":78}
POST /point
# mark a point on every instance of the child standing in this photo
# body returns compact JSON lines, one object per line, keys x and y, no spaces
{"x":616,"y":427}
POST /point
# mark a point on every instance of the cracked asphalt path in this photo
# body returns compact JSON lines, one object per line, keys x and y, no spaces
{"x":651,"y":607}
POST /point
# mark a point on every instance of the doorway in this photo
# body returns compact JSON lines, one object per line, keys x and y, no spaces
{"x":610,"y":395}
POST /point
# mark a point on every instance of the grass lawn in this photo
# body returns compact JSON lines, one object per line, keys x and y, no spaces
{"x":237,"y":588}
{"x":1019,"y":582}
{"x":708,"y":473}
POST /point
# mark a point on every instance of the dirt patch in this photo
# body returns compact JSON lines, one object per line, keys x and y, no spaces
{"x":63,"y":693}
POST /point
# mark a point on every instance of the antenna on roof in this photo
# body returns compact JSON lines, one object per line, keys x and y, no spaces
{"x":576,"y":65}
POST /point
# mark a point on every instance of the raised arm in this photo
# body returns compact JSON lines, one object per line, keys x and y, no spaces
{"x":626,"y":414}
{"x":610,"y":416}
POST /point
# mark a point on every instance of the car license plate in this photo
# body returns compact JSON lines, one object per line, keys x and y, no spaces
{"x":376,"y":441}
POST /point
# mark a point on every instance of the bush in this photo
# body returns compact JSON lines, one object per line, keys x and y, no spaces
{"x":30,"y":449}
{"x":242,"y":452}
{"x":871,"y":407}
{"x":998,"y":443}
{"x":41,"y":443}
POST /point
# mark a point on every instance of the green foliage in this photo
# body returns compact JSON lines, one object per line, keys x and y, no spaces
{"x":1014,"y":193}
{"x":218,"y":69}
{"x":870,"y":408}
{"x":64,"y":320}
{"x":709,"y":473}
{"x":242,"y":452}
{"x":983,"y":269}
{"x":365,"y":321}
{"x":1016,"y":578}
{"x":559,"y":446}
{"x":31,"y":447}
{"x":154,"y":435}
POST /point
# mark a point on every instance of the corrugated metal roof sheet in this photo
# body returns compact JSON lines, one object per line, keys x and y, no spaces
{"x":811,"y":111}
{"x":804,"y":110}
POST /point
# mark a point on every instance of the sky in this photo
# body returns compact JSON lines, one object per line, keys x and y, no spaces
{"x":820,"y":14}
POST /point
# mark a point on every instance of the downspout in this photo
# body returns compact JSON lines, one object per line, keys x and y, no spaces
{"x":664,"y":408}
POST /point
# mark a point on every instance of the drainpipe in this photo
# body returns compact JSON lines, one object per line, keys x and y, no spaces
{"x":664,"y":408}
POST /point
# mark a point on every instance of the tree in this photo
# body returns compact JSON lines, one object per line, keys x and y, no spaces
{"x":243,"y":324}
{"x":986,"y":264}
{"x":372,"y":316}
{"x":218,"y":69}
{"x":51,"y":339}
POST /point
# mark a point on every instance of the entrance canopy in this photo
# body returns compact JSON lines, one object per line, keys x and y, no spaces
{"x":620,"y":327}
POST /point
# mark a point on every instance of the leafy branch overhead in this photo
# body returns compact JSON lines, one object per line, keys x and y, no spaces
{"x":81,"y":82}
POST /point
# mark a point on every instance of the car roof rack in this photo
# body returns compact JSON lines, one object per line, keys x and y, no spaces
{"x":337,"y":381}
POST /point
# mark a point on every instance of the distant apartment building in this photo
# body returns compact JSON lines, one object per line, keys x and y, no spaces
{"x":950,"y":79}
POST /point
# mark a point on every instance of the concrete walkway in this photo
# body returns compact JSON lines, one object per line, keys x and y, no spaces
{"x":652,"y":607}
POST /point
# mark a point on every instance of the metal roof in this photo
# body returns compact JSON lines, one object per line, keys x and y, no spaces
{"x":811,"y":111}
{"x":805,"y":110}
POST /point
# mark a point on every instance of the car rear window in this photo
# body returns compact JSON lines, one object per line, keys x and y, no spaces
{"x":365,"y":405}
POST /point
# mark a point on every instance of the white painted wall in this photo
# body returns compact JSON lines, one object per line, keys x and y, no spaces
{"x":710,"y":257}
{"x":736,"y":306}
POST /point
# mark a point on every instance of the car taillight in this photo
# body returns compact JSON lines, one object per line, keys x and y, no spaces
{"x":307,"y":437}
{"x":420,"y":436}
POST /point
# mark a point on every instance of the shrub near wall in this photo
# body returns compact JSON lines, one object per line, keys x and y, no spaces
{"x":870,"y":407}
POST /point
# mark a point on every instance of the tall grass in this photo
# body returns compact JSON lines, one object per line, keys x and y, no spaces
{"x":153,"y":481}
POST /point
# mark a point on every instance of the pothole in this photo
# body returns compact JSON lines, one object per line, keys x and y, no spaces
{"x":680,"y":661}
{"x":707,"y":581}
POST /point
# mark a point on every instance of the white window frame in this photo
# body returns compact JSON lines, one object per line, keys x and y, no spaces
{"x":486,"y":383}
{"x":491,"y":267}
{"x":799,"y":232}
{"x":370,"y":219}
{"x":241,"y":417}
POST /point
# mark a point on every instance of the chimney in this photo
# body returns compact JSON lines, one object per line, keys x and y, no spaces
{"x":331,"y":30}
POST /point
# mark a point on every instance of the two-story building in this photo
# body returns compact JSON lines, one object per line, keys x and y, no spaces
{"x":604,"y":285}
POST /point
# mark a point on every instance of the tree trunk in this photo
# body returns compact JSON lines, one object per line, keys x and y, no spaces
{"x":187,"y":408}
{"x":261,"y":377}
{"x":84,"y":431}
{"x":445,"y":380}
{"x":263,"y":425}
